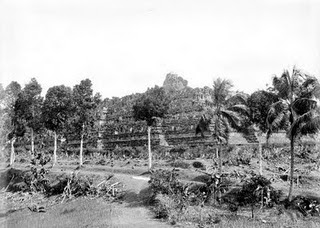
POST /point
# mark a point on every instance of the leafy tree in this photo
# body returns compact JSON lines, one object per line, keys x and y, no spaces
{"x":28,"y":108}
{"x":10,"y":127}
{"x":296,"y":108}
{"x":153,"y":103}
{"x":84,"y":116}
{"x":56,"y":110}
{"x":259,"y":103}
{"x":8,"y":97}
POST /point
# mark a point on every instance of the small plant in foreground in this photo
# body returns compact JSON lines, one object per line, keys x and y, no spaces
{"x":36,"y":179}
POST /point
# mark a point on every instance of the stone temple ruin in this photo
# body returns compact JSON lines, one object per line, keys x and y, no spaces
{"x":118,"y":128}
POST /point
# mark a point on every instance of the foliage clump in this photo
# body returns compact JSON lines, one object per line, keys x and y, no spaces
{"x":307,"y":205}
{"x":198,"y":165}
{"x":171,"y":198}
{"x":180,"y":164}
{"x":255,"y":190}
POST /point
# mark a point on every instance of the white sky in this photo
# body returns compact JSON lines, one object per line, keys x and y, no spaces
{"x":125,"y":46}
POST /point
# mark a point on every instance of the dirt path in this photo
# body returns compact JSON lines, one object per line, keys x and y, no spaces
{"x":92,"y":213}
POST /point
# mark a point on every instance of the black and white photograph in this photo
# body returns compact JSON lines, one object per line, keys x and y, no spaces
{"x":159,"y":113}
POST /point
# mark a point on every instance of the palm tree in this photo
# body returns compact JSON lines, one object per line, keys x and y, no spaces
{"x":296,"y":108}
{"x":223,"y":113}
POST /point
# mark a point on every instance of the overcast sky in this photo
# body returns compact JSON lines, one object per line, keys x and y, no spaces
{"x":125,"y":46}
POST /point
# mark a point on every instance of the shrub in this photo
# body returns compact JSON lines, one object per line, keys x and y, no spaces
{"x":307,"y":205}
{"x":165,"y":182}
{"x":124,"y":152}
{"x":141,"y":152}
{"x":198,"y":165}
{"x":255,"y":190}
{"x":163,"y":207}
{"x":239,"y":155}
{"x":180,"y":164}
{"x":101,"y":162}
{"x":194,"y":152}
{"x":177,"y":151}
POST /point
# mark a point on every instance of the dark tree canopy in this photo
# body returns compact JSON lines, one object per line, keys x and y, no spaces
{"x":29,"y":103}
{"x":153,"y":103}
{"x":57,"y":107}
{"x":259,"y":103}
{"x":85,"y":104}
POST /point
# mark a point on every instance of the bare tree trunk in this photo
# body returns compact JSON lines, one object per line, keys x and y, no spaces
{"x":149,"y":147}
{"x":220,"y":160}
{"x":32,"y":141}
{"x":55,"y":149}
{"x":81,"y":149}
{"x":220,"y":172}
{"x":260,"y":157}
{"x":217,"y":152}
{"x":12,"y":155}
{"x":291,"y":168}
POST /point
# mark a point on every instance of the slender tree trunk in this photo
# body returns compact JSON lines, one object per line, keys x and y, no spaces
{"x":149,"y":147}
{"x":32,"y":141}
{"x":81,"y":149}
{"x":260,"y":157}
{"x":12,"y":155}
{"x":220,"y":172}
{"x":220,"y":160}
{"x":252,"y":211}
{"x":55,"y":149}
{"x":291,"y":168}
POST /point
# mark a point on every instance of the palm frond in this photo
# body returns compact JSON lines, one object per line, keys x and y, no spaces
{"x":305,"y":119}
{"x":241,"y":109}
{"x":282,"y":84}
{"x":239,"y":98}
{"x":303,"y":105}
{"x":221,"y":90}
{"x":310,"y":88}
{"x":220,"y":130}
{"x":276,"y":109}
{"x":233,"y":118}
{"x":277,"y":122}
{"x":311,"y":127}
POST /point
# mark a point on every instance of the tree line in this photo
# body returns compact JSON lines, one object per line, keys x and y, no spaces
{"x":290,"y":104}
{"x":63,"y":111}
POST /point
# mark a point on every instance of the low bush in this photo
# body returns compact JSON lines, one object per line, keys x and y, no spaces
{"x":180,"y":164}
{"x":239,"y":155}
{"x":165,"y":182}
{"x":178,"y":151}
{"x":198,"y":165}
{"x":307,"y":205}
{"x":129,"y":152}
{"x":163,"y":206}
{"x":255,"y":190}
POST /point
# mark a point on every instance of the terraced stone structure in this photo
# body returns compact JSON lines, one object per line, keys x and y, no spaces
{"x":118,"y":128}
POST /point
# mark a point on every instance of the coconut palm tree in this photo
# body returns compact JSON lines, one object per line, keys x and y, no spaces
{"x":223,"y":113}
{"x":296,"y":108}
